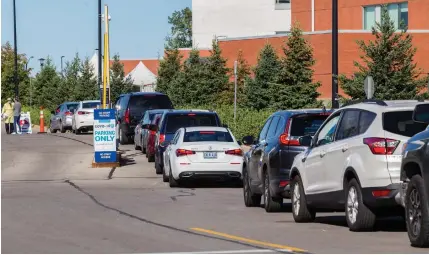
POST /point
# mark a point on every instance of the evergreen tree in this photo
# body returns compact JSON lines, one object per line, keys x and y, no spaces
{"x":389,"y":60}
{"x":243,"y":73}
{"x":118,"y":83}
{"x":217,"y":87}
{"x":169,"y":68}
{"x":70,"y":79}
{"x":294,"y":88}
{"x":46,"y":86}
{"x":86,"y":87}
{"x":258,"y":94}
{"x":8,"y":75}
{"x":181,"y":29}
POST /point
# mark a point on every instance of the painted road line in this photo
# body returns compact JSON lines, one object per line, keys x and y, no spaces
{"x":249,"y":241}
{"x":258,"y":251}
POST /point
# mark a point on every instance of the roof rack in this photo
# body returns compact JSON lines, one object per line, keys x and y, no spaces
{"x":365,"y":101}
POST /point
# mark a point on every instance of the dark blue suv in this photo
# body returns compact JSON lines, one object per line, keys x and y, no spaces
{"x":171,"y":121}
{"x":267,"y":164}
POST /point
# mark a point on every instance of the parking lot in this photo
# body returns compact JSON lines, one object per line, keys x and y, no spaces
{"x":54,"y":202}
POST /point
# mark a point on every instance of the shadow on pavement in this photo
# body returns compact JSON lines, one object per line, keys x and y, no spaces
{"x":392,"y":224}
{"x":212,"y":184}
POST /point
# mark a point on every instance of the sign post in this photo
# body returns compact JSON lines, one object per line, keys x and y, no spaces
{"x":235,"y":92}
{"x":105,"y":154}
{"x":369,"y":87}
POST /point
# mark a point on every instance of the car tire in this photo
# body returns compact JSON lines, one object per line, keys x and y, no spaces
{"x":53,"y":131}
{"x":158,"y":168}
{"x":136,"y":147}
{"x":173,"y":182}
{"x":150,"y":158}
{"x":78,"y":132}
{"x":62,"y":129}
{"x":165,"y":178}
{"x":123,"y":139}
{"x":358,"y":216}
{"x":417,"y":202}
{"x":300,"y":210}
{"x":271,"y":204}
{"x":250,"y":199}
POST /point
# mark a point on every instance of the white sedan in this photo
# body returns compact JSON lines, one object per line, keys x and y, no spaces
{"x":83,"y":117}
{"x":202,"y":152}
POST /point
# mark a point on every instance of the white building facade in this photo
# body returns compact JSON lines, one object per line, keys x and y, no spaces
{"x":238,"y":18}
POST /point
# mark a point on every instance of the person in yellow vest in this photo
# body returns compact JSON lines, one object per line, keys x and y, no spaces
{"x":7,"y":115}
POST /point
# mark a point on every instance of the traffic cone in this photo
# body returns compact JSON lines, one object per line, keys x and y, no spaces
{"x":42,"y":122}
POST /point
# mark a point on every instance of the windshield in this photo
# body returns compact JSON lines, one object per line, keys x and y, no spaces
{"x":71,"y":107}
{"x":90,"y":105}
{"x":140,"y":104}
{"x":306,"y":124}
{"x":401,"y":123}
{"x":207,"y":136}
{"x":176,"y":121}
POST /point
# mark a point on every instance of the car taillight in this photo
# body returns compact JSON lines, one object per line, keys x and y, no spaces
{"x":127,"y":116}
{"x":152,"y":132}
{"x":161,"y":138}
{"x":284,"y":138}
{"x":236,"y":152}
{"x":81,"y":113}
{"x":68,"y":113}
{"x":183,"y":152}
{"x":381,"y":146}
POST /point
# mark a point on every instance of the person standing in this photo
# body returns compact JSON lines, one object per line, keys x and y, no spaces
{"x":7,"y":115}
{"x":16,"y":116}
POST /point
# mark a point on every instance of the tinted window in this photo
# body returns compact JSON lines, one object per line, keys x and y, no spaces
{"x":123,"y":103}
{"x":139,"y":104}
{"x":281,"y":126}
{"x":349,"y":125}
{"x":207,"y":136}
{"x":307,"y":124}
{"x":365,"y":120}
{"x":327,"y":132}
{"x":176,"y":121}
{"x":273,"y":127}
{"x":264,"y":130}
{"x":401,"y":123}
{"x":90,"y":105}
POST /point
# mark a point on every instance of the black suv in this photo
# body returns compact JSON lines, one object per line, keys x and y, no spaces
{"x":132,"y":106}
{"x":171,"y":121}
{"x":415,"y":181}
{"x":267,"y":164}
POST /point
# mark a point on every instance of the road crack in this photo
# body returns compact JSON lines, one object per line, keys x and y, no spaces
{"x":185,"y":192}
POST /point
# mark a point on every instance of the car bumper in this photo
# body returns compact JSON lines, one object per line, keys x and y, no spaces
{"x":280,"y":186}
{"x":84,"y":124}
{"x":204,"y":170}
{"x":379,"y":203}
{"x":68,"y":122}
{"x":213,"y":175}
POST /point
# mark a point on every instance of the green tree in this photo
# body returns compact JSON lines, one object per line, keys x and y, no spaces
{"x":295,"y":88}
{"x":169,"y":68}
{"x":217,"y":87}
{"x":46,"y":86}
{"x":86,"y":87}
{"x":119,"y":84}
{"x":389,"y":60}
{"x":257,"y":90}
{"x":70,"y":81}
{"x":8,"y":75}
{"x":181,"y":29}
{"x":243,"y":73}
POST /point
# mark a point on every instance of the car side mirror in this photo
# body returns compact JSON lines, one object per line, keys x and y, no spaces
{"x":165,"y":144}
{"x":421,"y":113}
{"x":305,"y":140}
{"x":153,"y":127}
{"x":248,"y":140}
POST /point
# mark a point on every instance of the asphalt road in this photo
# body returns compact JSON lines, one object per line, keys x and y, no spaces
{"x":54,"y":202}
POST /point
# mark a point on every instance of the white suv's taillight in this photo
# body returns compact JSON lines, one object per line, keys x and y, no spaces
{"x":381,"y":146}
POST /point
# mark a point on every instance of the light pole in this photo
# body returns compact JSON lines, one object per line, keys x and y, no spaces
{"x":15,"y":51}
{"x":100,"y":50}
{"x":31,"y":84}
{"x":42,"y":63}
{"x":335,"y":54}
{"x":235,"y":92}
{"x":62,"y":64}
{"x":28,"y":61}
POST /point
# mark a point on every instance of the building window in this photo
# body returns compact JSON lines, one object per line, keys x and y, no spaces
{"x":282,"y":4}
{"x":282,"y":32}
{"x":398,"y":12}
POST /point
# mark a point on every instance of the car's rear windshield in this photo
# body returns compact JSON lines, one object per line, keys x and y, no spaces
{"x":72,"y":106}
{"x":207,"y":136}
{"x":90,"y":105}
{"x":176,"y":121}
{"x":307,"y":124}
{"x":401,"y":123}
{"x":140,"y":104}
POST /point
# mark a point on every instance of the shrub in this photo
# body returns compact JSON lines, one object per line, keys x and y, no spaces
{"x":35,"y":115}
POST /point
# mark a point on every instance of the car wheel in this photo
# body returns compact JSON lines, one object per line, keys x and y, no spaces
{"x":150,"y":158}
{"x":358,"y":216}
{"x":78,"y":132}
{"x":165,"y":178}
{"x":123,"y":139}
{"x":250,"y":199}
{"x":136,"y":147}
{"x":62,"y":129}
{"x":158,"y":168}
{"x":300,"y":210}
{"x":417,"y":212}
{"x":173,"y":183}
{"x":51,"y":129}
{"x":271,"y":204}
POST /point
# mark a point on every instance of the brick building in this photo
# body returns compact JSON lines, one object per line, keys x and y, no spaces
{"x":355,"y":21}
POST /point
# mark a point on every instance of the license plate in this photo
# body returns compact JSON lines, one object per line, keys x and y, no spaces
{"x":210,"y":154}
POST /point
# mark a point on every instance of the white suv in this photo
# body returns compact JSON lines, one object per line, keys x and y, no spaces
{"x":353,"y":163}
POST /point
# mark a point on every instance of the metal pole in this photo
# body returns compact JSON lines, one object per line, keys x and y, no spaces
{"x":62,"y":65}
{"x":335,"y":53}
{"x":100,"y":50}
{"x":15,"y":51}
{"x":31,"y":93}
{"x":235,"y":91}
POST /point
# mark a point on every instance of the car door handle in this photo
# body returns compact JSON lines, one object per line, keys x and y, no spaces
{"x":322,"y":154}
